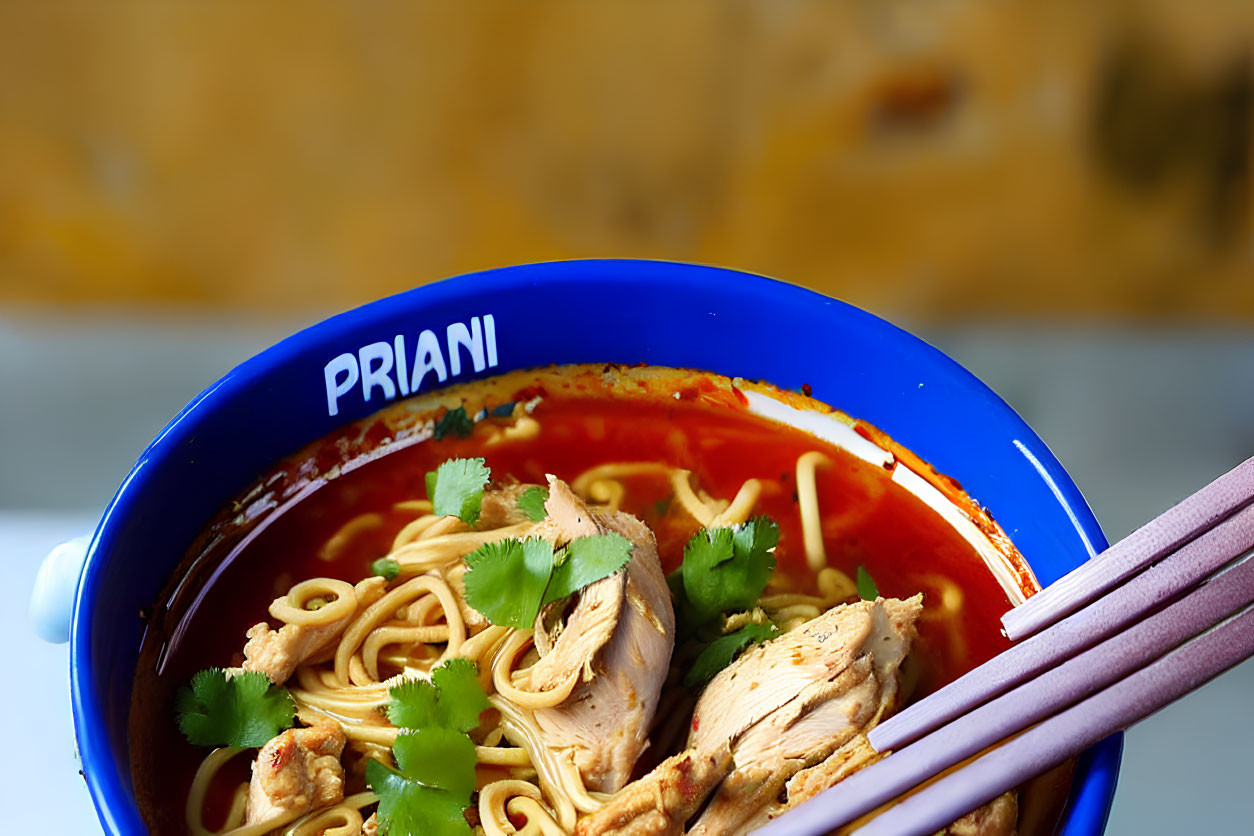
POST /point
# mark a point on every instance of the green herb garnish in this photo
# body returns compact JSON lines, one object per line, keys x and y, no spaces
{"x":408,"y":807}
{"x":585,"y":561}
{"x":451,"y":699}
{"x":454,"y":421}
{"x":723,"y":651}
{"x":431,"y":789}
{"x":244,"y":709}
{"x":866,"y":585}
{"x":386,"y":568}
{"x":431,"y":756}
{"x":506,"y":580}
{"x":510,"y":580}
{"x":456,"y":488}
{"x":531,"y":502}
{"x":727,"y":569}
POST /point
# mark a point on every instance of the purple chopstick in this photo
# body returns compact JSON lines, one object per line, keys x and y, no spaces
{"x":1134,"y":600}
{"x":1056,"y":689}
{"x":1065,"y":735}
{"x":1200,"y":511}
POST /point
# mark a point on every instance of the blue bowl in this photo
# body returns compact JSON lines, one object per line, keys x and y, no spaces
{"x":660,"y":313}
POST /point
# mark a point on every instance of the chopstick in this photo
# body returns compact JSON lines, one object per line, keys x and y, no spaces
{"x":1123,"y":654}
{"x":1127,"y":651}
{"x":1068,"y":734}
{"x":1165,"y":533}
{"x":1176,"y":573}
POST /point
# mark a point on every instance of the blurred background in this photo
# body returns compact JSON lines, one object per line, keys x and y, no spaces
{"x":1056,"y":194}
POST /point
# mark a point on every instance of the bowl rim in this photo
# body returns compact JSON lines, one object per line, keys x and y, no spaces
{"x":1097,"y":770}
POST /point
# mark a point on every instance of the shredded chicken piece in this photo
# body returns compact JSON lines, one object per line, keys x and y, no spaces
{"x":297,"y":771}
{"x":659,"y":803}
{"x":788,"y":704}
{"x":793,"y":711}
{"x":500,"y":507}
{"x":842,"y":763}
{"x":617,"y":639}
{"x":277,"y":653}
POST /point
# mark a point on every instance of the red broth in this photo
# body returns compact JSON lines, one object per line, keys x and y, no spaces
{"x":869,"y":521}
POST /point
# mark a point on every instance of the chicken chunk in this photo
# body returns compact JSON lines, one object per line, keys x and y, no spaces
{"x":659,"y":803}
{"x":500,"y":506}
{"x":798,"y":702}
{"x":617,"y":640}
{"x":298,"y":771}
{"x":838,"y":766}
{"x":841,"y":675}
{"x":277,"y":653}
{"x":807,"y":783}
{"x":787,"y":671}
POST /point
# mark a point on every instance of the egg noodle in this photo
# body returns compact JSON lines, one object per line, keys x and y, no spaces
{"x":409,"y":625}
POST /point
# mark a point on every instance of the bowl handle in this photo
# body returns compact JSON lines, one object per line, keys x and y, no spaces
{"x":52,"y":599}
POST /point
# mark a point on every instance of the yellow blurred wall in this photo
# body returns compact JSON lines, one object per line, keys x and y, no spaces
{"x":933,"y":160}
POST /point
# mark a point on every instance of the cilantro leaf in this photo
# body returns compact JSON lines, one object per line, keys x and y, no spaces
{"x":461,"y":695}
{"x":510,"y":580}
{"x":506,"y":580}
{"x":407,"y":807}
{"x":432,"y":789}
{"x":385,"y":567}
{"x":531,"y":502}
{"x":244,"y":709}
{"x":452,"y":699}
{"x":723,"y":651}
{"x":454,"y":421}
{"x":413,"y":703}
{"x":727,"y":569}
{"x":456,"y":488}
{"x":756,"y":538}
{"x":587,"y":560}
{"x":439,"y":758}
{"x":866,"y":585}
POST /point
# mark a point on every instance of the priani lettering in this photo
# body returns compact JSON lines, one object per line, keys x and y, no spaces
{"x":381,"y":371}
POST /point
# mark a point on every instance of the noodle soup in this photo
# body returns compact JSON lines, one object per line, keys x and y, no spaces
{"x":650,"y":461}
